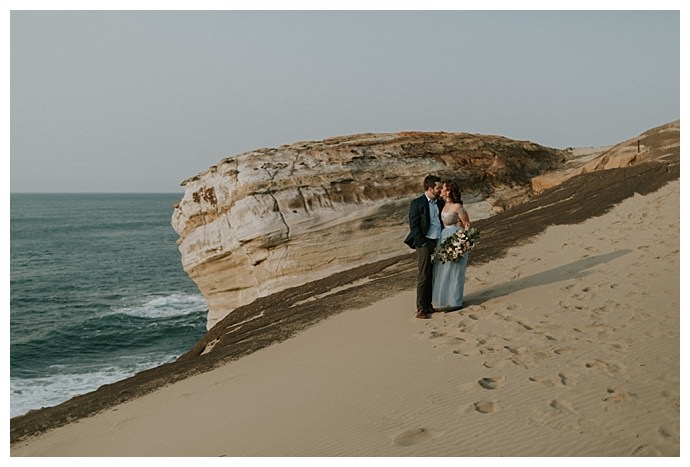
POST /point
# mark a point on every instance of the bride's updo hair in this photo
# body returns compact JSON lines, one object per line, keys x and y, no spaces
{"x":454,"y":192}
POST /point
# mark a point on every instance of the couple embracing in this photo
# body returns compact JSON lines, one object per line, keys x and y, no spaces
{"x":433,"y":217}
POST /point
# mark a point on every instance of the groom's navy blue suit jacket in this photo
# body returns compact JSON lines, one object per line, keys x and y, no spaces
{"x":420,"y":221}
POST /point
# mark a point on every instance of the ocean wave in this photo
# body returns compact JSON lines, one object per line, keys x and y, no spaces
{"x":47,"y":391}
{"x":165,"y":306}
{"x":169,"y":324}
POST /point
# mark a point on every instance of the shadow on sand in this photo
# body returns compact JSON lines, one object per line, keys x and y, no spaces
{"x":572,"y":270}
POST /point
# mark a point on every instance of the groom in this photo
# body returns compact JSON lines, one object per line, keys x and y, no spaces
{"x":425,"y":230}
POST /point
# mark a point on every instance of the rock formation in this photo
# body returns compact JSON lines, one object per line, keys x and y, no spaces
{"x":270,"y":219}
{"x":658,"y":143}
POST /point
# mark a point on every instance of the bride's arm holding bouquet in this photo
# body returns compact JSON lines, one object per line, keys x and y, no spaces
{"x":464,"y":220}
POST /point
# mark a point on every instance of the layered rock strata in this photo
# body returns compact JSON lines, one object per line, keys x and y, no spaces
{"x":270,"y":219}
{"x":660,"y":143}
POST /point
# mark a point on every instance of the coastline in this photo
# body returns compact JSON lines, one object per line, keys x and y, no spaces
{"x":385,"y":326}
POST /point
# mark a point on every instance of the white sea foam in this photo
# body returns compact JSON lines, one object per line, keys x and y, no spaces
{"x":36,"y":393}
{"x":165,"y":306}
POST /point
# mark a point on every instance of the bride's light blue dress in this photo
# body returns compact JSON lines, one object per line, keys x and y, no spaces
{"x":448,"y":278}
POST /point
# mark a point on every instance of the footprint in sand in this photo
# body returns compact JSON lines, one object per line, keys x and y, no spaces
{"x":619,"y":346}
{"x":669,"y":431}
{"x":562,"y":379}
{"x":565,"y":378}
{"x":450,"y":342}
{"x":435,"y":334}
{"x":562,"y":405}
{"x":491,"y":383}
{"x":607,"y":367}
{"x":416,"y":436}
{"x":497,"y":362}
{"x":617,"y":394}
{"x":485,"y":406}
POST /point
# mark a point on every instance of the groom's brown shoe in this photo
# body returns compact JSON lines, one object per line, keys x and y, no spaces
{"x":420,"y":314}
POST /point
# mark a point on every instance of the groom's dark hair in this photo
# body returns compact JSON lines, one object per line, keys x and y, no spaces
{"x":430,"y":181}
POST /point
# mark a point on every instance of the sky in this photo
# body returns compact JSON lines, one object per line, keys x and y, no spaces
{"x":138,"y":101}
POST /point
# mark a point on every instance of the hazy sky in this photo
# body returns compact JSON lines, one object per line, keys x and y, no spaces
{"x":135,"y":101}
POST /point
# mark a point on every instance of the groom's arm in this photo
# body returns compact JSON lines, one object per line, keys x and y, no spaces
{"x":415,"y":220}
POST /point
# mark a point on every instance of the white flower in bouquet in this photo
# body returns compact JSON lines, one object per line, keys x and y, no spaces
{"x":454,"y":247}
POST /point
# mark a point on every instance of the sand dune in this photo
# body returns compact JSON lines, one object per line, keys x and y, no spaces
{"x":569,"y":346}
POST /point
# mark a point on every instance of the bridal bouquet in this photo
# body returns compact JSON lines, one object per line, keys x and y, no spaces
{"x":454,"y":247}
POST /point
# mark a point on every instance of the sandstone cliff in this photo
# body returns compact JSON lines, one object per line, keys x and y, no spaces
{"x":659,"y":143}
{"x":270,"y":219}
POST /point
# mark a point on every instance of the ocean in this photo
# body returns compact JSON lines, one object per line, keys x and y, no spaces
{"x":97,"y":293}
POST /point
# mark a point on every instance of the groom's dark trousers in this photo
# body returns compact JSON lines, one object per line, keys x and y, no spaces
{"x":420,"y":221}
{"x":424,"y":275}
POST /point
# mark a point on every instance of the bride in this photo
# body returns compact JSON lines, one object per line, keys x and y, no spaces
{"x":449,"y":278}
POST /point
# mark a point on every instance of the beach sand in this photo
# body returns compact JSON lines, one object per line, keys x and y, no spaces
{"x":569,"y":345}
